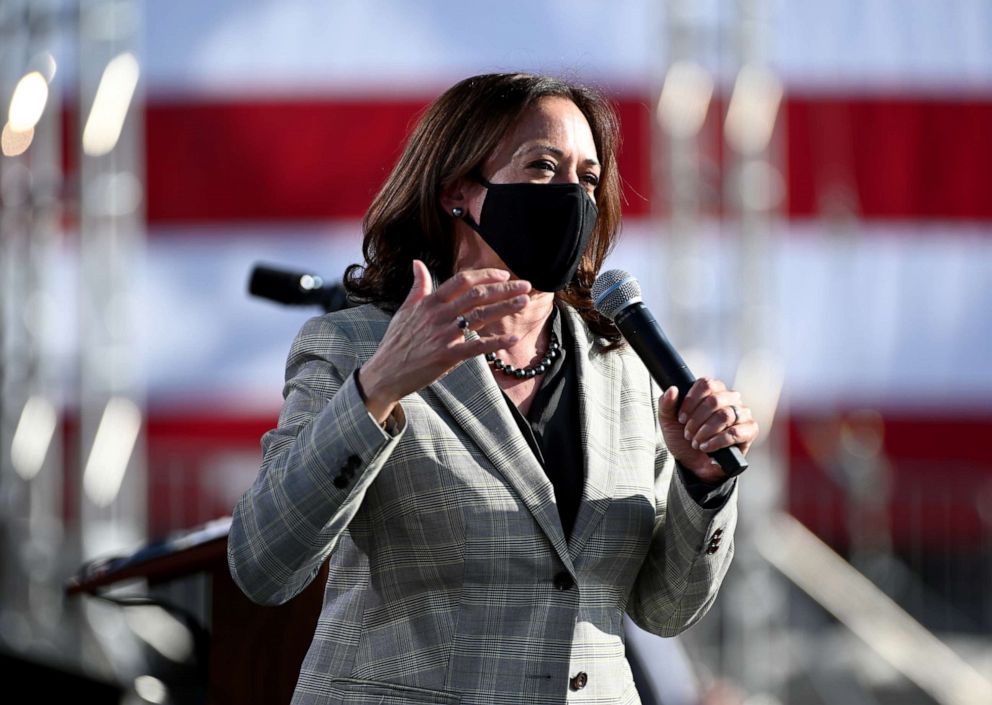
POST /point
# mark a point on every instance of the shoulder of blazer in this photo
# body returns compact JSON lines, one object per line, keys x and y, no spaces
{"x":365,"y":322}
{"x":352,"y":332}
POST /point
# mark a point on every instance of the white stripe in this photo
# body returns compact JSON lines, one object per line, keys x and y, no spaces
{"x":349,"y":46}
{"x":884,"y":314}
{"x":887,"y":315}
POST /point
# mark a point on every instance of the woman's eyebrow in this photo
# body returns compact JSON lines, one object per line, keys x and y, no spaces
{"x":552,"y":150}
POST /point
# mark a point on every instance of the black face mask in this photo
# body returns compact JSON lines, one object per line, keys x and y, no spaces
{"x":540,"y":230}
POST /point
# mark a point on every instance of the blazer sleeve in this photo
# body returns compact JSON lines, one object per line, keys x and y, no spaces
{"x":316,"y":468}
{"x":690,"y":552}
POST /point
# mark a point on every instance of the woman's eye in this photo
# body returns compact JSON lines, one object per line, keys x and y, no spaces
{"x":544,"y":165}
{"x":591,"y":179}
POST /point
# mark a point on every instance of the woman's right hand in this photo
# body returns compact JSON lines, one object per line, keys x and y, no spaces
{"x":423,"y":340}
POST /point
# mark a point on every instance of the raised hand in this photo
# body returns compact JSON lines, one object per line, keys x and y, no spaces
{"x":424,"y":340}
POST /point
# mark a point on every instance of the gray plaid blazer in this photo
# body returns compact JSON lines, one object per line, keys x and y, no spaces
{"x":450,"y":579}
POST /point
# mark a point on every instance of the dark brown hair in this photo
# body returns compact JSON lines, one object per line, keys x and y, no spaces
{"x":452,"y":141}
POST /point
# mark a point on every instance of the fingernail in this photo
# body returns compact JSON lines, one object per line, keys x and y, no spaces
{"x":514,"y":338}
{"x":695,"y":444}
{"x":520,"y":300}
{"x":688,"y":436}
{"x":682,"y":418}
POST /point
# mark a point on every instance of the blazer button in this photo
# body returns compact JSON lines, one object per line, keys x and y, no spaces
{"x":340,"y":482}
{"x":563,"y":581}
{"x":578,"y":681}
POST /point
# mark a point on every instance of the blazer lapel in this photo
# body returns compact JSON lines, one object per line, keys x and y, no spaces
{"x":475,"y":401}
{"x":599,"y":409}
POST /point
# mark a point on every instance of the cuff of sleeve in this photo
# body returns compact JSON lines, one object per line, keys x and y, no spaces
{"x":699,"y":517}
{"x":346,"y":440}
{"x":706,"y":496}
{"x":394,"y":424}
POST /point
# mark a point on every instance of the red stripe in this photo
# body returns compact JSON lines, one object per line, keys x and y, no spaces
{"x":220,"y":428}
{"x":880,"y":158}
{"x":902,"y":158}
{"x":938,"y":474}
{"x":211,"y":162}
{"x":270,"y":161}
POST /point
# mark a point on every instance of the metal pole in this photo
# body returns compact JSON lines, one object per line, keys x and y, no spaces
{"x":31,"y":461}
{"x":112,"y":471}
{"x":757,"y":647}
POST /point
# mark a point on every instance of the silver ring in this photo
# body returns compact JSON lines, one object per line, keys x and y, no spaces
{"x":737,"y":415}
{"x":461,"y":321}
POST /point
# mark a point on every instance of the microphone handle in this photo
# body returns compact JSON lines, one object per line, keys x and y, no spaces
{"x":642,"y":332}
{"x":279,"y":285}
{"x":285,"y":287}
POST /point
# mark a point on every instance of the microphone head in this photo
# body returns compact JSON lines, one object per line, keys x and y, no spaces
{"x":613,"y":291}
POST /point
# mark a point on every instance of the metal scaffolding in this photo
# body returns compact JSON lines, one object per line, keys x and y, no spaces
{"x":31,"y":404}
{"x":720,"y":171}
{"x":757,"y":628}
{"x":72,"y":470}
{"x":718,"y":179}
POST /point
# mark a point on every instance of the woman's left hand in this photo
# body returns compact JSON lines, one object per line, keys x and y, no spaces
{"x":710,"y":417}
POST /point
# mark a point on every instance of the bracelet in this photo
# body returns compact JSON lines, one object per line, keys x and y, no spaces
{"x":389,"y":425}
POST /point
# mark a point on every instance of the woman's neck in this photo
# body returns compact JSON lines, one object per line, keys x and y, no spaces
{"x":530,"y":326}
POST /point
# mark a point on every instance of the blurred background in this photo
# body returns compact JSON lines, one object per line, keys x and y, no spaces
{"x":808,"y":209}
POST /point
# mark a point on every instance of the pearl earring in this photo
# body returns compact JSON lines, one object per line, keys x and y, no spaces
{"x":457,"y":212}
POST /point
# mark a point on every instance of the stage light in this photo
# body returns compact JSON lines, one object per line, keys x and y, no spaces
{"x":163,"y":632}
{"x":113,"y":444}
{"x":685,"y":99}
{"x":110,"y":105}
{"x":760,"y":378}
{"x":28,"y":102}
{"x":32,"y":437}
{"x":151,"y":689}
{"x":14,"y":143}
{"x":753,"y":110}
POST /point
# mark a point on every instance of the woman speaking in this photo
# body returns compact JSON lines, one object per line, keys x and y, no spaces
{"x":491,"y":473}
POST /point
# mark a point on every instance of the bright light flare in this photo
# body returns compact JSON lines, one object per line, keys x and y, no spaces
{"x":110,"y":105}
{"x":28,"y":102}
{"x":14,"y":143}
{"x":753,"y":110}
{"x":760,"y":378}
{"x":151,"y":689}
{"x":32,"y":437}
{"x":162,"y":632}
{"x":112,"y":447}
{"x":685,"y":99}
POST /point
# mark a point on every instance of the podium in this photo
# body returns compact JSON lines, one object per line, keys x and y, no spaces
{"x":255,"y":652}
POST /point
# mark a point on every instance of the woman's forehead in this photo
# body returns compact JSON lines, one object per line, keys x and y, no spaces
{"x":555,"y":124}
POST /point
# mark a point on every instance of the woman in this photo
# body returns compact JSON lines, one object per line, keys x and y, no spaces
{"x":481,"y":460}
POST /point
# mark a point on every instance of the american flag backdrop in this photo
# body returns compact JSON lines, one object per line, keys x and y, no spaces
{"x":808,"y":209}
{"x":269,"y":125}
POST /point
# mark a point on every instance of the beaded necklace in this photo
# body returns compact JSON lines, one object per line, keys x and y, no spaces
{"x":553,"y":351}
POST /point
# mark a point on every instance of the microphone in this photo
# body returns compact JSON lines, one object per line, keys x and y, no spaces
{"x":296,"y":288}
{"x":617,"y":295}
